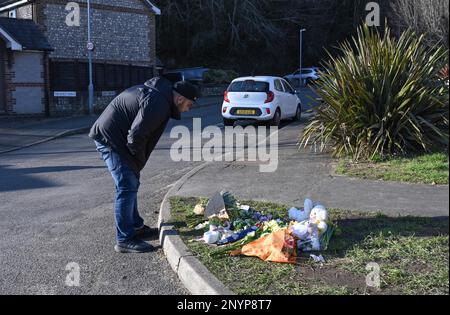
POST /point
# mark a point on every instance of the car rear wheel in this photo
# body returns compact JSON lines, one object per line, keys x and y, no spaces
{"x":276,"y":118}
{"x":298,"y":113}
{"x":228,"y":122}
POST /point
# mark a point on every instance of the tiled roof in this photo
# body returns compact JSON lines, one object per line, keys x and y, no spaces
{"x":149,"y":4}
{"x":26,"y":33}
{"x":6,"y":2}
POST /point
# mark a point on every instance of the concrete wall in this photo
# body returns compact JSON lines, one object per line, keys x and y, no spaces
{"x":28,"y":100}
{"x":28,"y":67}
{"x":25,"y":12}
{"x":66,"y":106}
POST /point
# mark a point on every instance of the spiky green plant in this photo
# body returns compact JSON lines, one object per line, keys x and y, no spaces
{"x":382,"y":96}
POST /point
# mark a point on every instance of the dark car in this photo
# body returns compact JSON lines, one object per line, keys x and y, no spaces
{"x":193,"y":75}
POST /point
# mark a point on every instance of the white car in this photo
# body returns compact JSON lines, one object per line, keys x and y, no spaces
{"x":308,"y":75}
{"x":266,"y":99}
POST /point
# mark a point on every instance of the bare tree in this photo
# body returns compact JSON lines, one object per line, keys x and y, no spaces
{"x":430,"y":17}
{"x":251,"y":36}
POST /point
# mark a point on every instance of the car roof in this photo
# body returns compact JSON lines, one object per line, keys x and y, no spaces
{"x":312,"y":68}
{"x":260,"y":78}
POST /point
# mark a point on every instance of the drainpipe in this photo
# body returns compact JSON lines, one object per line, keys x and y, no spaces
{"x":46,"y":85}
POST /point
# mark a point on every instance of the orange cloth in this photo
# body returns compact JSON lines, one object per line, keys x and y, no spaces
{"x":277,"y":247}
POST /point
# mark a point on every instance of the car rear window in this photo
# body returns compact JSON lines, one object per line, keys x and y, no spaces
{"x":194,"y":74}
{"x":249,"y":86}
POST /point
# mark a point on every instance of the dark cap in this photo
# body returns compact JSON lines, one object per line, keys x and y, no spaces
{"x":187,"y":90}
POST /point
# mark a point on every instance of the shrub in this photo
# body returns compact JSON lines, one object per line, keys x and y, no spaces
{"x":219,"y":76}
{"x":382,"y":96}
{"x":443,"y":74}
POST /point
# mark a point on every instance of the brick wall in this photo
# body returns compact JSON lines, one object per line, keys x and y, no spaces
{"x":24,"y":83}
{"x":213,"y":89}
{"x":127,"y":4}
{"x":123,"y":31}
{"x":152,"y":41}
{"x":8,"y":86}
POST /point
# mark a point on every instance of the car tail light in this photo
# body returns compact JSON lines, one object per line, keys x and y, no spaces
{"x":268,"y":111}
{"x":225,"y":97}
{"x":224,"y":110}
{"x":270,"y":97}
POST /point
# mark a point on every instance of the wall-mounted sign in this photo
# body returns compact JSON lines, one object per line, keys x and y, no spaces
{"x":90,"y":46}
{"x":64,"y":94}
{"x":108,"y":93}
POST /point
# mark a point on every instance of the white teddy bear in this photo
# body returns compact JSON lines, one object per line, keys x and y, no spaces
{"x":301,"y":215}
{"x":311,"y":228}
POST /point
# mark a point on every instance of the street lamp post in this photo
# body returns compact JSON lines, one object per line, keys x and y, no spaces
{"x":90,"y":49}
{"x":301,"y":55}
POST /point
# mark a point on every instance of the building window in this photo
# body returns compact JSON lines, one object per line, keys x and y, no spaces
{"x":12,"y":14}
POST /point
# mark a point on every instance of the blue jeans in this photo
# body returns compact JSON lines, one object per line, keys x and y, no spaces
{"x":127,"y":185}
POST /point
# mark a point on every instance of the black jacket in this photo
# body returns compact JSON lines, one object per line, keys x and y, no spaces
{"x":134,"y":121}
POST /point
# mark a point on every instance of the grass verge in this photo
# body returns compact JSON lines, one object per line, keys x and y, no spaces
{"x":412,"y":253}
{"x":427,"y":169}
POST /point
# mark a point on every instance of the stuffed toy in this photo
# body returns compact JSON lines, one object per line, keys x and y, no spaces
{"x":309,"y":230}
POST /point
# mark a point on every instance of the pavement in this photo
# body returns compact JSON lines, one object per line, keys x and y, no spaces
{"x":56,"y":208}
{"x":307,"y":174}
{"x":19,"y":132}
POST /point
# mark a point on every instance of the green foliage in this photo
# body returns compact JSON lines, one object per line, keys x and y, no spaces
{"x":426,"y":169}
{"x":219,"y":76}
{"x":382,"y":96}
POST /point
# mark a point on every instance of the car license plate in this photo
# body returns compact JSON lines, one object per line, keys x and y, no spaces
{"x":247,"y":112}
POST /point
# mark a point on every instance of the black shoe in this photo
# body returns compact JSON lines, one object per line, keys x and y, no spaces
{"x":146,"y":231}
{"x":134,"y":246}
